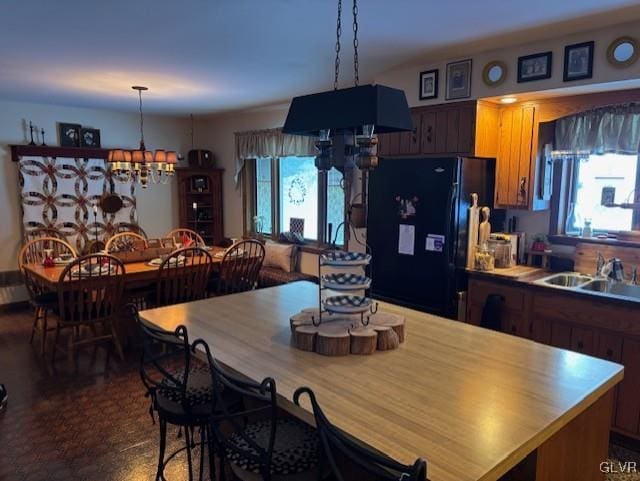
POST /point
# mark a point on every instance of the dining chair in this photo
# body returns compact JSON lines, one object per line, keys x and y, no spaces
{"x":179,"y":387}
{"x":181,"y":234}
{"x":240,"y":267}
{"x":125,"y":242}
{"x":183,"y":276}
{"x":348,"y":459}
{"x":42,"y":300}
{"x":253,"y":437}
{"x":90,"y":293}
{"x":39,"y":232}
{"x":130,"y":227}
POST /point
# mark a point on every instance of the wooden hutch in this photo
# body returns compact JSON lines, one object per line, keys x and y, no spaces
{"x":200,"y":196}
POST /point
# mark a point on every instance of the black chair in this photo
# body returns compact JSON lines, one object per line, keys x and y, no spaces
{"x":258,"y":443}
{"x":343,"y":454}
{"x":180,"y":390}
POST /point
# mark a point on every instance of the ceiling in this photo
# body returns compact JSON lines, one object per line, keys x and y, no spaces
{"x":205,"y":56}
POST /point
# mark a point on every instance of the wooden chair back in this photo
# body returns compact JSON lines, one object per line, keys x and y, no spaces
{"x":363,"y":463}
{"x":129,"y":227}
{"x":240,"y":267}
{"x":33,"y":252}
{"x":43,"y":232}
{"x":125,"y":242}
{"x":183,"y":276}
{"x":179,"y":235}
{"x":90,"y":289}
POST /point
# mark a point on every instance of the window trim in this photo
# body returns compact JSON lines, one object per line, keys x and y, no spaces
{"x":250,"y":201}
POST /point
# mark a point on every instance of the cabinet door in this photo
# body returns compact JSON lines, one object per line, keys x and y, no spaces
{"x":441,"y":127}
{"x":453,"y":122}
{"x":610,"y":349}
{"x":388,"y":144}
{"x":514,"y":157}
{"x":582,"y":340}
{"x":410,"y":141}
{"x":628,"y":407}
{"x":466,"y":130}
{"x":560,"y":335}
{"x":515,"y":323}
{"x":428,"y":135}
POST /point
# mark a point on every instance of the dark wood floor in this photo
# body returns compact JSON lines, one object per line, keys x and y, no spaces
{"x":86,"y":424}
{"x":91,"y":423}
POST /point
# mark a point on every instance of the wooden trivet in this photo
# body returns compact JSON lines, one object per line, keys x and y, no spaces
{"x":342,"y":334}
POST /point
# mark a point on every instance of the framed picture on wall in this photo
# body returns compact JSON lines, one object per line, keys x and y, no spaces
{"x":90,"y":138}
{"x":69,"y":134}
{"x":458,"y":80}
{"x":578,"y":61}
{"x":428,"y":84}
{"x":534,"y":67}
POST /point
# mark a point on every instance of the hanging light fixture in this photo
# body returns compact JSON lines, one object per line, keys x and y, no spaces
{"x":143,"y":165}
{"x":361,"y":111}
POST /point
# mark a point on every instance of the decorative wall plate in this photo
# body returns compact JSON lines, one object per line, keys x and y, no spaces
{"x":347,"y":304}
{"x":344,"y":281}
{"x":342,"y":258}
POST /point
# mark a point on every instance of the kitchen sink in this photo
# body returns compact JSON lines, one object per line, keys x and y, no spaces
{"x":565,"y":279}
{"x":606,"y":286}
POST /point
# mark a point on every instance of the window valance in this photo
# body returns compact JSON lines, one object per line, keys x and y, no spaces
{"x":612,"y":129}
{"x":269,"y":143}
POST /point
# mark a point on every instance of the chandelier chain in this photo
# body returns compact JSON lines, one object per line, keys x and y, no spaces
{"x":141,"y":118}
{"x":338,"y":33}
{"x":356,"y":77}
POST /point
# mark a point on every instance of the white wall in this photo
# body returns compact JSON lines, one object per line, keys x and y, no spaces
{"x":157,"y":205}
{"x":407,"y":77}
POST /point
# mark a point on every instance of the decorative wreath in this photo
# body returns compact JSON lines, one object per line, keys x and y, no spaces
{"x":297,"y":191}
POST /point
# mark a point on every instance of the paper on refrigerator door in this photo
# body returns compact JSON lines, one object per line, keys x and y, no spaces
{"x":472,"y":233}
{"x":406,"y":239}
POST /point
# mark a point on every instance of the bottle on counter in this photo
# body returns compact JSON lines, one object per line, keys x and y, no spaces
{"x":587,"y":231}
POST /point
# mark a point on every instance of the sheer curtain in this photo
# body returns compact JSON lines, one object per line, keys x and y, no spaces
{"x":269,"y":143}
{"x":612,"y":129}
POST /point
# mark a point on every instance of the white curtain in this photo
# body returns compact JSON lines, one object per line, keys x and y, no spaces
{"x":269,"y":143}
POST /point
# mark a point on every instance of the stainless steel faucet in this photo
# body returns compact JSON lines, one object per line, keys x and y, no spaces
{"x":600,"y":265}
{"x":634,"y":277}
{"x":613,"y":269}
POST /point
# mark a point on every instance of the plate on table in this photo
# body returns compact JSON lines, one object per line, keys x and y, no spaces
{"x":62,"y":262}
{"x":343,"y":258}
{"x":157,"y":262}
{"x":96,"y":270}
{"x":237,"y":253}
{"x":342,"y":280}
{"x":347,"y":304}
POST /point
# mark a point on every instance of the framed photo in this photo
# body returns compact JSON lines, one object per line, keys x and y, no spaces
{"x":428,"y":84}
{"x":534,"y":67}
{"x":459,"y":80}
{"x":69,"y":134}
{"x":90,"y":138}
{"x":578,"y":61}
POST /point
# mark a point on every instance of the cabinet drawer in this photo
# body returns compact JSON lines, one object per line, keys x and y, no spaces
{"x":514,"y":298}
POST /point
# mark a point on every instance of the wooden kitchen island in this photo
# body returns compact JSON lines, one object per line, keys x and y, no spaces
{"x":476,"y":404}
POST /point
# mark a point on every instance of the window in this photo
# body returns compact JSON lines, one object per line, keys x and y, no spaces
{"x":292,"y":187}
{"x":599,"y":179}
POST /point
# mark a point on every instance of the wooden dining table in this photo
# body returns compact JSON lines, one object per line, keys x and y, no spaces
{"x":475,"y":403}
{"x":136,"y":273}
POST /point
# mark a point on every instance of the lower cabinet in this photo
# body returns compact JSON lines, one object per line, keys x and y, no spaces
{"x":602,"y":329}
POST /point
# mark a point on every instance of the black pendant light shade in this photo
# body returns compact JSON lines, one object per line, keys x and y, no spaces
{"x":348,"y":110}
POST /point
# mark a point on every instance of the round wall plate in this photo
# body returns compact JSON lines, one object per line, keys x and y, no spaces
{"x":623,"y":52}
{"x":494,"y":73}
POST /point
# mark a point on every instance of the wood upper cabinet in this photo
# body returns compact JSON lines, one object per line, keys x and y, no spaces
{"x":460,"y":128}
{"x":514,"y":159}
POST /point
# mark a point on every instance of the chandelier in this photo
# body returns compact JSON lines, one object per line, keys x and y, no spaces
{"x":143,"y":165}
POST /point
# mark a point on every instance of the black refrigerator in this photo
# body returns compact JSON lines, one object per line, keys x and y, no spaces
{"x":417,"y":228}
